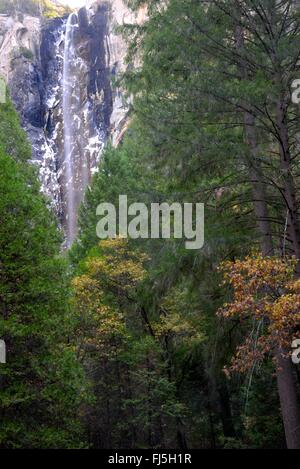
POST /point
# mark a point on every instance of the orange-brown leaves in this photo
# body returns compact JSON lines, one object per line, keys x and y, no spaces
{"x":266,"y":295}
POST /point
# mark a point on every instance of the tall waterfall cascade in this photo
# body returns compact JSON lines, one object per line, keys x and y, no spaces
{"x":83,"y":142}
{"x":69,"y":88}
{"x":92,"y":111}
{"x":64,"y":92}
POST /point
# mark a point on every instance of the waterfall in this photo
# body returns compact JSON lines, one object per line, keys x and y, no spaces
{"x":84,"y":118}
{"x":66,"y":98}
{"x":83,"y":139}
{"x":69,"y":90}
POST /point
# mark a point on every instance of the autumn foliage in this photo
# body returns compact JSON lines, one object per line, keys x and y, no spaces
{"x":267,"y":296}
{"x":102,"y":293}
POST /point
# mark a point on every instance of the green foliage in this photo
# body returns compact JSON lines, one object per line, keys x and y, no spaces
{"x":13,"y":139}
{"x":191,"y":92}
{"x":41,"y":386}
{"x":211,"y":121}
{"x":139,"y":407}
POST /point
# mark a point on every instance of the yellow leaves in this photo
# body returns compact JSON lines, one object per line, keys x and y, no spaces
{"x":118,"y":265}
{"x":85,"y":289}
{"x":264,"y":289}
{"x":176,"y":321}
{"x":294,"y":286}
{"x":100,"y":292}
{"x":175,"y":324}
{"x":85,"y":285}
{"x":285,"y":312}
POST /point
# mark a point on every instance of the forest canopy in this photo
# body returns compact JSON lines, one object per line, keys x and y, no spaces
{"x":142,"y":343}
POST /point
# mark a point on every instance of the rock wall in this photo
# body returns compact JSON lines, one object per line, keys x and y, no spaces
{"x":27,"y":70}
{"x":32,"y":62}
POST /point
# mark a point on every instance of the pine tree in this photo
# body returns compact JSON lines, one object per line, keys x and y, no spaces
{"x":41,"y":385}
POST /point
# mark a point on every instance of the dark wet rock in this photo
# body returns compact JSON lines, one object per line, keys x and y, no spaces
{"x":32,"y":56}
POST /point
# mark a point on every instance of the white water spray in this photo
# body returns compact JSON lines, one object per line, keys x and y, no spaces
{"x":86,"y":102}
{"x":67,"y":89}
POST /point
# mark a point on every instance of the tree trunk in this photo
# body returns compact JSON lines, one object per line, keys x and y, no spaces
{"x":226,"y":414}
{"x":285,"y":380}
{"x":289,"y":401}
{"x":181,"y":437}
{"x":288,"y":181}
{"x":258,"y":190}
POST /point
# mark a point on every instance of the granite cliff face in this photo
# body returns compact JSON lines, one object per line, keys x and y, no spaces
{"x":60,"y":74}
{"x":20,"y":65}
